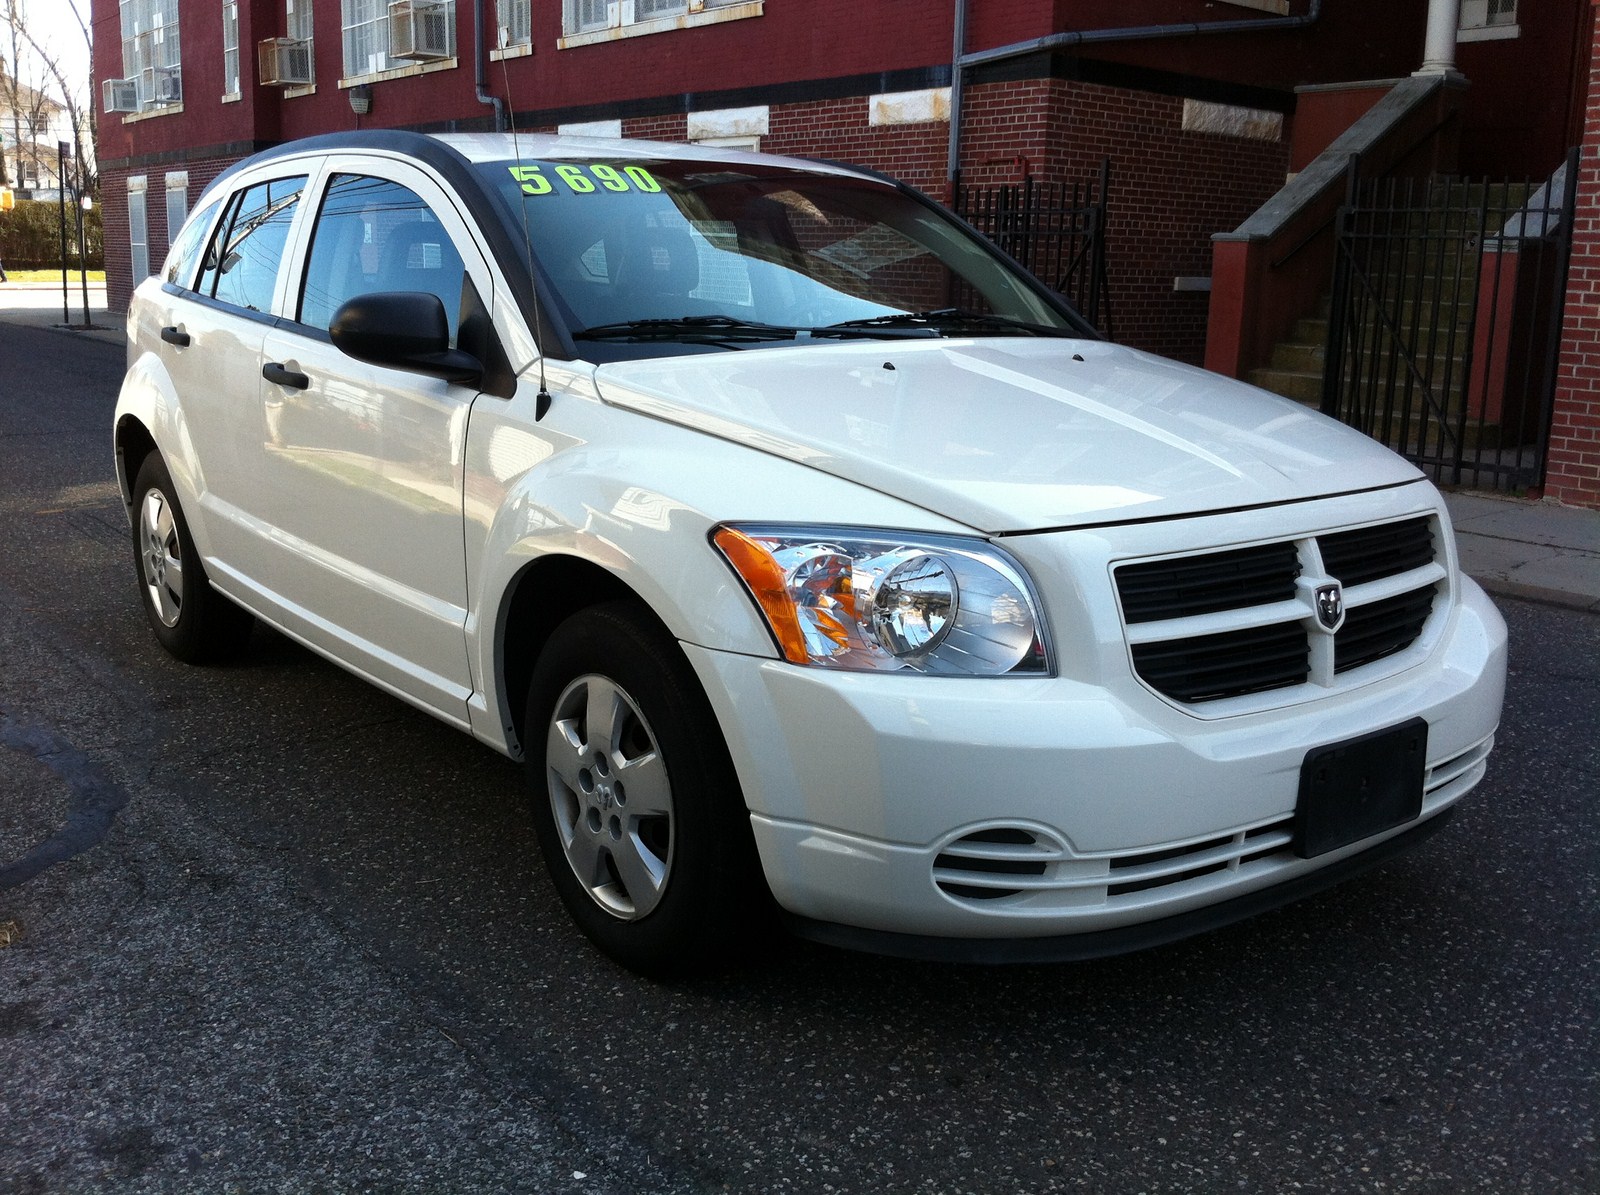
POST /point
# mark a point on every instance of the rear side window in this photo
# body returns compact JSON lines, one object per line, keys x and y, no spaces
{"x":242,"y":264}
{"x":373,"y":235}
{"x":185,"y":256}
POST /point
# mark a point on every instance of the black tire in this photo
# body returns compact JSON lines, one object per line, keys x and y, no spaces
{"x":190,"y":619}
{"x":638,"y":811}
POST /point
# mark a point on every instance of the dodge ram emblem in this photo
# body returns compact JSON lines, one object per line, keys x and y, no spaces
{"x":1330,"y":606}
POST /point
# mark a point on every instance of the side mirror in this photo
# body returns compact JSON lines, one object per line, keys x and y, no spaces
{"x":403,"y":330}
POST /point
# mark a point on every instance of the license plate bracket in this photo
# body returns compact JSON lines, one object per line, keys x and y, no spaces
{"x":1360,"y":787}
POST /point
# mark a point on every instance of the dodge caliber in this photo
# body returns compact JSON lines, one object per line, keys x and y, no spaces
{"x":823,"y":567}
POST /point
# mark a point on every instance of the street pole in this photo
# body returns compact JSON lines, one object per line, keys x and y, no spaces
{"x":61,"y":197}
{"x":83,"y":248}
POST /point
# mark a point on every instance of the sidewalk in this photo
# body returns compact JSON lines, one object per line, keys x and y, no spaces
{"x":38,"y":304}
{"x":1537,"y":551}
{"x":1533,"y":550}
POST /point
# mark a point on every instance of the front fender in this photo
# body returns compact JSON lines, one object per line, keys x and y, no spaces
{"x":637,"y":499}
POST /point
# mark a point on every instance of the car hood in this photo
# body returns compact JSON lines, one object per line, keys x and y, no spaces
{"x":1011,"y":435}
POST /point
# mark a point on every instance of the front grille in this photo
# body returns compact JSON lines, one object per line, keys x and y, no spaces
{"x":1381,"y":629}
{"x":984,"y":865}
{"x":1158,"y":869}
{"x":1235,"y":622}
{"x":1016,"y":865}
{"x":1209,"y":667}
{"x":1370,"y":553}
{"x":1202,"y":584}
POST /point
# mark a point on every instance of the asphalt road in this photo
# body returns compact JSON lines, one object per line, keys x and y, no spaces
{"x":270,"y":930}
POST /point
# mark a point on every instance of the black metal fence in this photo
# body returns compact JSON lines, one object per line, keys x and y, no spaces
{"x":1057,"y":230}
{"x":1445,"y":326}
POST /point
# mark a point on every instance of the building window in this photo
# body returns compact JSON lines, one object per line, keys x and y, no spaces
{"x":580,"y":17}
{"x":177,"y":202}
{"x":369,"y":47}
{"x":150,"y":55}
{"x":1488,"y":20}
{"x":230,"y":48}
{"x":138,"y":229}
{"x":299,"y":27}
{"x":516,"y":22}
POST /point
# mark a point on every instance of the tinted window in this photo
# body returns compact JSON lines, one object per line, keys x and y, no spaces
{"x":185,"y":255}
{"x":372,"y":235}
{"x":242,"y":263}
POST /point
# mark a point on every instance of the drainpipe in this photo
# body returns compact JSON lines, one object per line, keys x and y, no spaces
{"x":1056,"y":41}
{"x":1439,"y":52}
{"x":481,"y":57}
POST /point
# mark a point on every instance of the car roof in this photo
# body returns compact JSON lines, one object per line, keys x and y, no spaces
{"x":499,"y":147}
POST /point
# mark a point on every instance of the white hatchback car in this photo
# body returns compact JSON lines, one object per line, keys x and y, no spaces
{"x":809,"y":551}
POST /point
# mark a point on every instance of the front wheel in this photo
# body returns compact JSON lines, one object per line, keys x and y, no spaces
{"x":190,"y":619}
{"x":637,"y":809}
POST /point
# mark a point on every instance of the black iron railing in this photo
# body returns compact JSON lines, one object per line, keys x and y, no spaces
{"x":1056,"y":229}
{"x":1445,"y":325}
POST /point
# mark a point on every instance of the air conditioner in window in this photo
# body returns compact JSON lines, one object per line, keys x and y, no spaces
{"x":284,"y":62}
{"x":169,"y":87}
{"x":419,"y":29}
{"x":120,"y":95}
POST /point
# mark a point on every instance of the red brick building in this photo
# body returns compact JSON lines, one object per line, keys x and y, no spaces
{"x":1194,"y":102}
{"x":1574,"y":463}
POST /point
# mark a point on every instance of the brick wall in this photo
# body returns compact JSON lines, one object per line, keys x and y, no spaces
{"x":1573,"y":472}
{"x":1170,"y":189}
{"x":114,"y":193}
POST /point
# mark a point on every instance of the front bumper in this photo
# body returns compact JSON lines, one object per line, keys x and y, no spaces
{"x":891,"y":804}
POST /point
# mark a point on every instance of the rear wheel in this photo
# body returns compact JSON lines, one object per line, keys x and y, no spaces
{"x":190,"y":619}
{"x":638,"y":812}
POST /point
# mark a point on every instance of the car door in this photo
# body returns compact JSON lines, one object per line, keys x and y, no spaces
{"x":359,"y":471}
{"x":216,"y":314}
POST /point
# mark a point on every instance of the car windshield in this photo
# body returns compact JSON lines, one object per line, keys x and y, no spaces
{"x":660,"y":256}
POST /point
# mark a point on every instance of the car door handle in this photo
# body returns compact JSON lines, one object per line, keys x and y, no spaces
{"x":280,"y":376}
{"x":173,"y":336}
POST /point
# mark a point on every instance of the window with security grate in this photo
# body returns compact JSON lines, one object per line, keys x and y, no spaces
{"x":150,"y":51}
{"x":1486,"y":14}
{"x":516,"y":21}
{"x":588,"y":16}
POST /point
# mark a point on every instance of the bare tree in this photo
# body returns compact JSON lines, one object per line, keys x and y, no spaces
{"x":71,"y":95}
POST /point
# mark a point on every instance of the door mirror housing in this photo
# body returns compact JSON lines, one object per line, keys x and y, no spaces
{"x":403,"y":330}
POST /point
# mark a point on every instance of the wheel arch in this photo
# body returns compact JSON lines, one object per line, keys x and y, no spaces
{"x":542,"y":595}
{"x":133,"y":442}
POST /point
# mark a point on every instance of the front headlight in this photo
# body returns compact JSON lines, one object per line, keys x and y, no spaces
{"x":875,"y":601}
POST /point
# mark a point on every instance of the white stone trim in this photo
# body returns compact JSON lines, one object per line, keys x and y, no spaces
{"x":591,"y":128}
{"x":909,"y":107}
{"x":729,"y":122}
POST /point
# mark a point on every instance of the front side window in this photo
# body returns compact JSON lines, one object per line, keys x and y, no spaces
{"x":658,"y":251}
{"x":150,"y":52}
{"x":373,"y":235}
{"x":242,"y":263}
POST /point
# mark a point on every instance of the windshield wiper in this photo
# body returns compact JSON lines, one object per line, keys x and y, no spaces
{"x":701,"y":327}
{"x":937,"y":323}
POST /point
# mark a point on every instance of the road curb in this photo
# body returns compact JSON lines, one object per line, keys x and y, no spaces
{"x":1543,"y":595}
